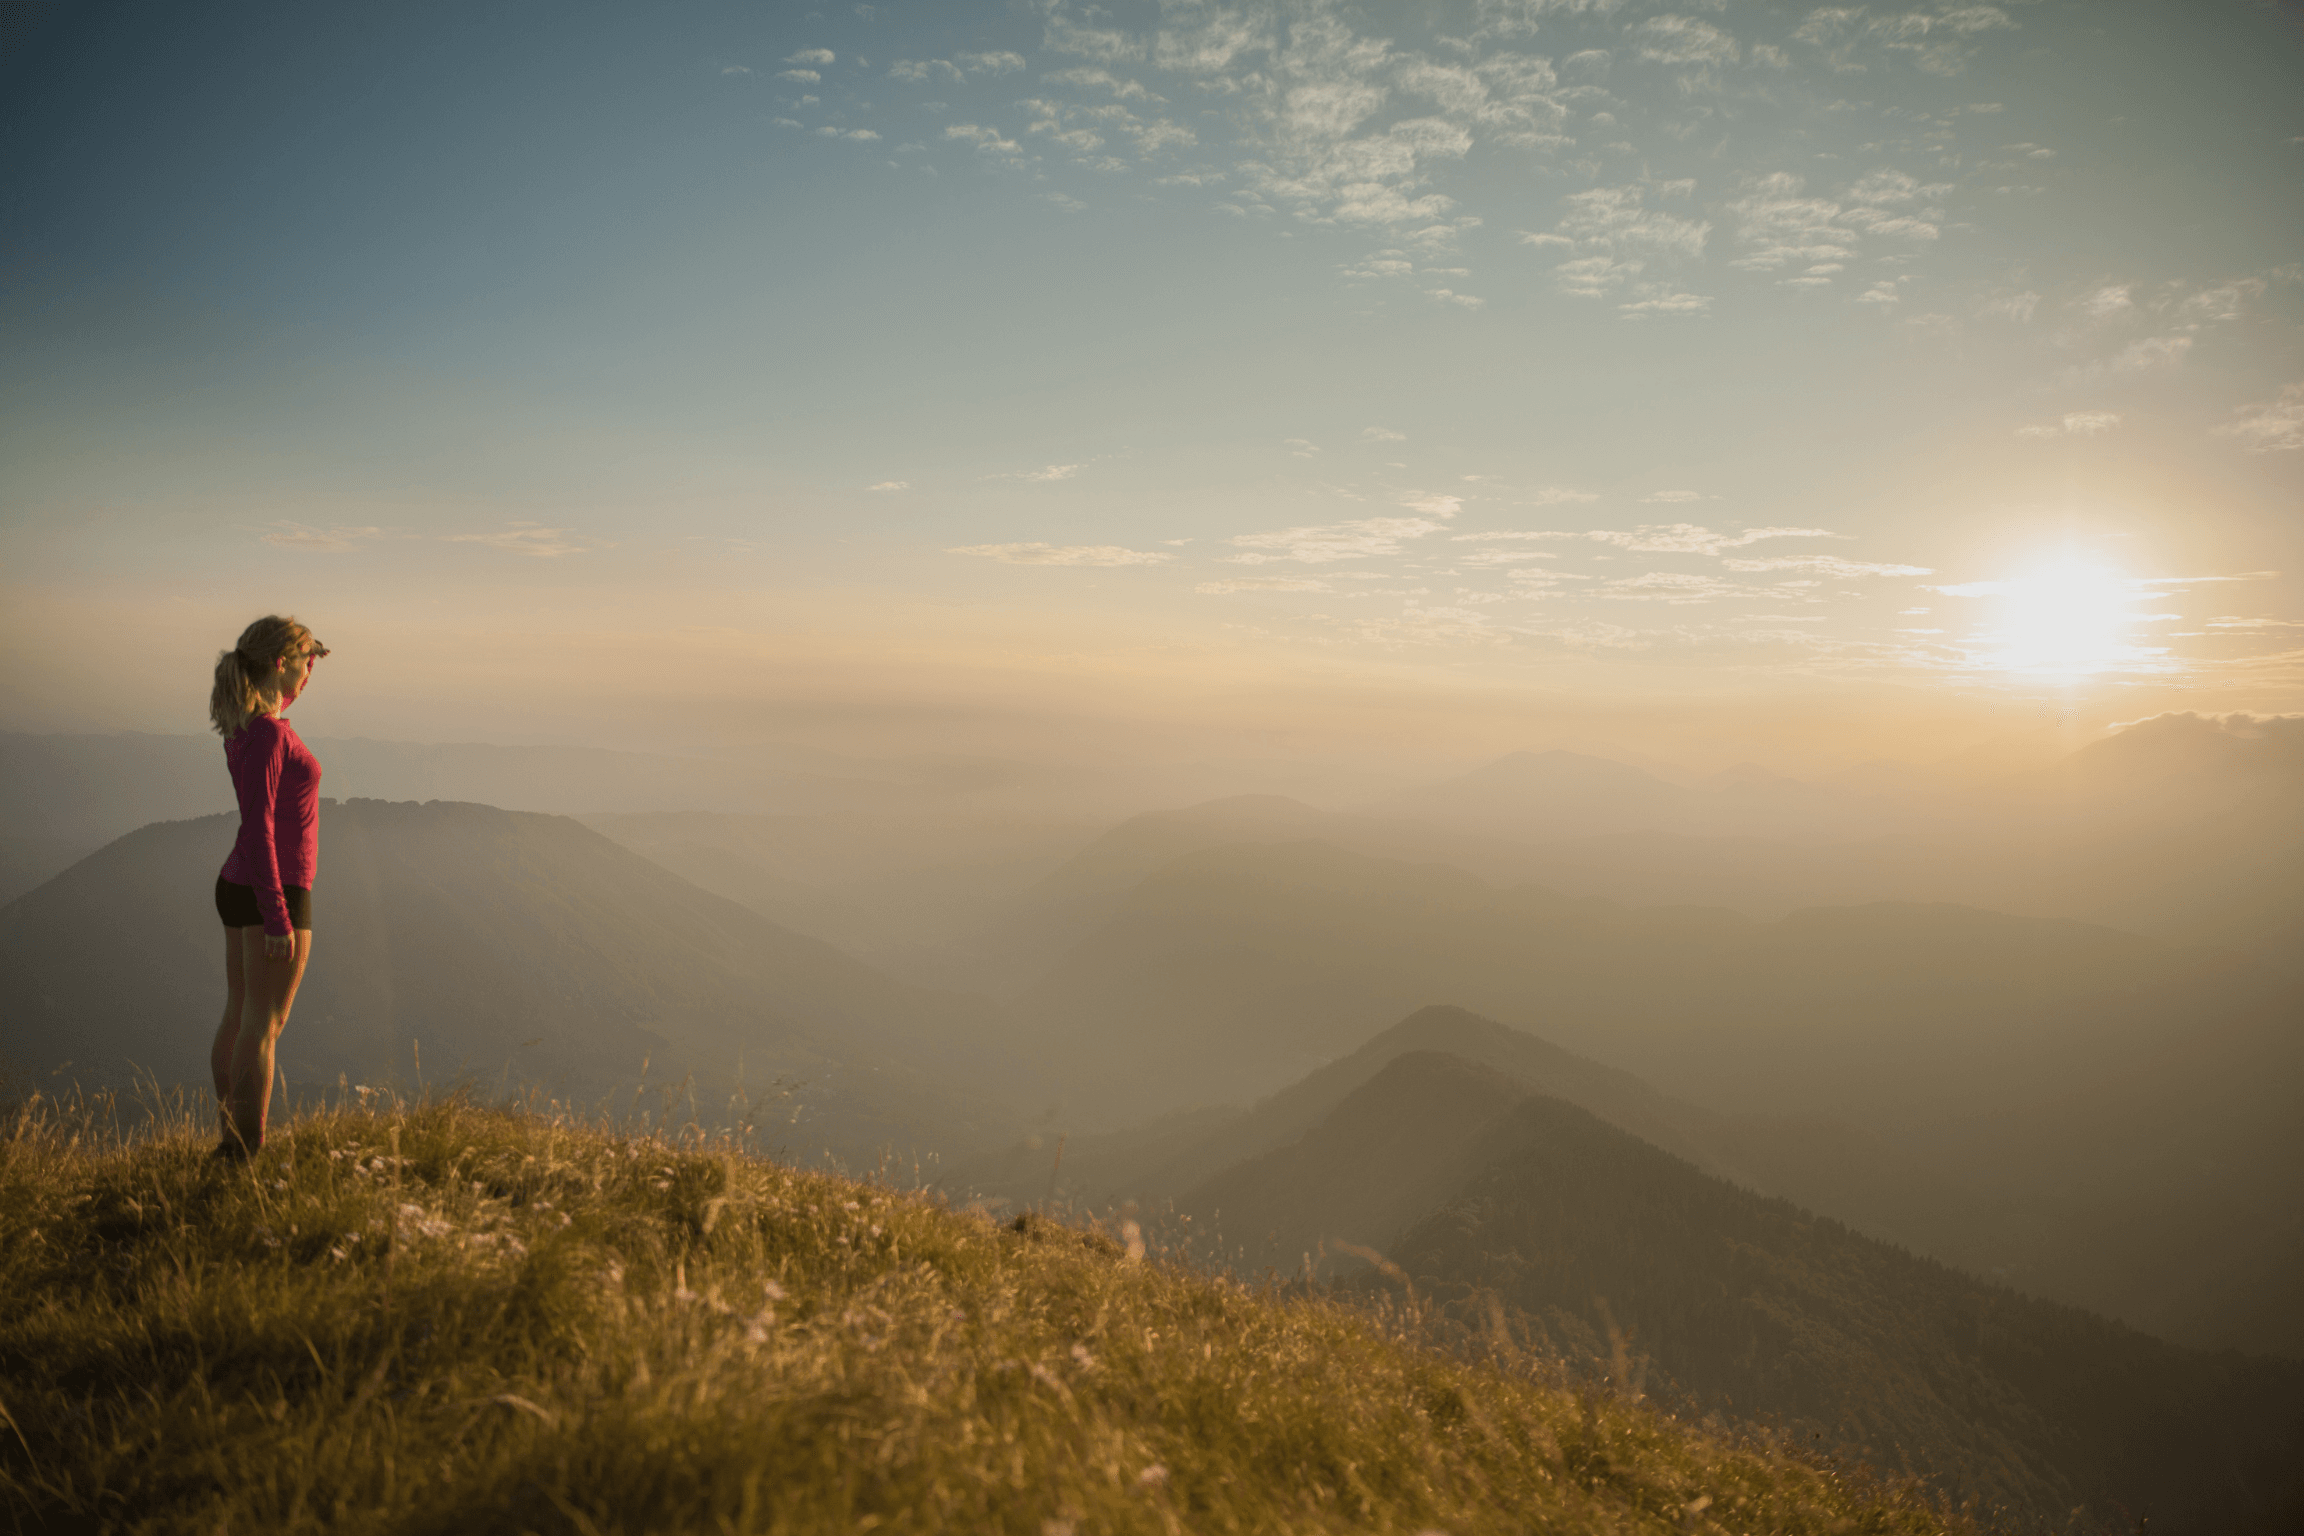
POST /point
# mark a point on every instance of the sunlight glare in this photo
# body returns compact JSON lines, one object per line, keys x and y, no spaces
{"x":2068,"y":618}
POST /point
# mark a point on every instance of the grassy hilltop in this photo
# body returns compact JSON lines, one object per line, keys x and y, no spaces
{"x":448,"y":1318}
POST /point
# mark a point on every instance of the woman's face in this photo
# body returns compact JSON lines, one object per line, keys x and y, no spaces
{"x":295,"y":673}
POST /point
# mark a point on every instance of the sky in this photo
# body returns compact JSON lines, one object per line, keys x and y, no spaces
{"x":1729,"y":380}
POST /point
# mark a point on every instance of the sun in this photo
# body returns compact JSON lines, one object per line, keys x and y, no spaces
{"x":2067,"y":618}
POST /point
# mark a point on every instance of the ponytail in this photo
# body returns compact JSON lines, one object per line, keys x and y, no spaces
{"x":247,"y":676}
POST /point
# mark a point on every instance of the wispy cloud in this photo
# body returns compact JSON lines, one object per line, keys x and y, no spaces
{"x":1826,"y":565}
{"x":319,"y":541}
{"x":812,"y":56}
{"x":2275,"y":426}
{"x":1063,"y":554}
{"x":988,"y":141}
{"x":890,"y":485}
{"x":523,"y":538}
{"x":2074,"y":424}
{"x":1262,"y":584}
{"x":1665,"y":587}
{"x":1357,"y":540}
{"x":1383,"y":435}
{"x":1681,"y":40}
{"x":1672,"y":496}
{"x":1693,"y":539}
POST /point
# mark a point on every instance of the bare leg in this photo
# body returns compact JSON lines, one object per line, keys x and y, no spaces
{"x":271,"y":990}
{"x":235,"y":996}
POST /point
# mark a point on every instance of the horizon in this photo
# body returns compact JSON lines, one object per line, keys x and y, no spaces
{"x":1202,"y":379}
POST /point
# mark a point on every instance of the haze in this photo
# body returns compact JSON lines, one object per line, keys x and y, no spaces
{"x":1261,"y":608}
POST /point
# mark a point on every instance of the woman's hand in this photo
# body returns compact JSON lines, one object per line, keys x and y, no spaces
{"x":280,"y":946}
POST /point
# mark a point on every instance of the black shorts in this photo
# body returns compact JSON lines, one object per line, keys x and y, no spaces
{"x":236,"y":904}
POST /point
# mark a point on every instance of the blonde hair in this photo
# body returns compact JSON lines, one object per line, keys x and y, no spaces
{"x":248,"y":675}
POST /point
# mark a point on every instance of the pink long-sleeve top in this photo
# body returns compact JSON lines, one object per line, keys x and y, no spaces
{"x":277,"y":780}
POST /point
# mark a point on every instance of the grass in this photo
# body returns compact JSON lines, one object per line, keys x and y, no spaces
{"x":440,"y":1316}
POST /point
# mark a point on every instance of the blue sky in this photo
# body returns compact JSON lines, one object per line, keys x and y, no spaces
{"x":1596,"y":355}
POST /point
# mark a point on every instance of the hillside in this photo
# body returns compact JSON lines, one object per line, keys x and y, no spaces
{"x":453,"y":1319}
{"x":507,"y":946}
{"x":1756,"y":1307}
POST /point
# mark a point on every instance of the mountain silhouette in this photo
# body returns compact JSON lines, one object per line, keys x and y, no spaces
{"x":507,"y":945}
{"x":1156,"y":1162}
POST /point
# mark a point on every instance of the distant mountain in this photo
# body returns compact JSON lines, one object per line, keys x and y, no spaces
{"x":1546,"y":796}
{"x":2085,"y":1112}
{"x":1249,"y":965}
{"x":904,"y":892}
{"x":512,"y":946}
{"x":1028,"y":932}
{"x":1752,"y":1306}
{"x":62,"y":796}
{"x":1395,"y":1149}
{"x":1152,"y":1164}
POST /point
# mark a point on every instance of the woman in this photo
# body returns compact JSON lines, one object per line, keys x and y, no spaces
{"x":264,"y":893}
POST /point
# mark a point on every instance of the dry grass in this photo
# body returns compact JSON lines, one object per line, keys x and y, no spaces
{"x":443,"y":1317}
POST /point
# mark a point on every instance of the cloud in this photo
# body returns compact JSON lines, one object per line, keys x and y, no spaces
{"x":2151,"y":353}
{"x":1665,"y":301}
{"x":1105,"y":45}
{"x":1000,"y":63}
{"x":1498,"y":557}
{"x":891,"y":485}
{"x":1511,"y":533}
{"x":800,"y":76}
{"x":816,"y":56}
{"x":1046,"y":472}
{"x":1617,"y":219}
{"x":319,"y":541}
{"x":1301,"y":447}
{"x":1442,"y":507}
{"x":2074,"y":424}
{"x":1933,"y":41}
{"x":2234,"y":621}
{"x":1066,"y":554}
{"x":527,"y":539}
{"x":1691,"y":539}
{"x":1554,"y":495}
{"x":1615,"y":236}
{"x":1668,"y":496}
{"x":2276,"y":426}
{"x":1826,"y":565}
{"x":1383,"y":435}
{"x":1666,"y":587}
{"x":988,"y":140}
{"x":1263,"y":584}
{"x":1682,"y":40}
{"x":1780,"y":225}
{"x":1358,"y":540}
